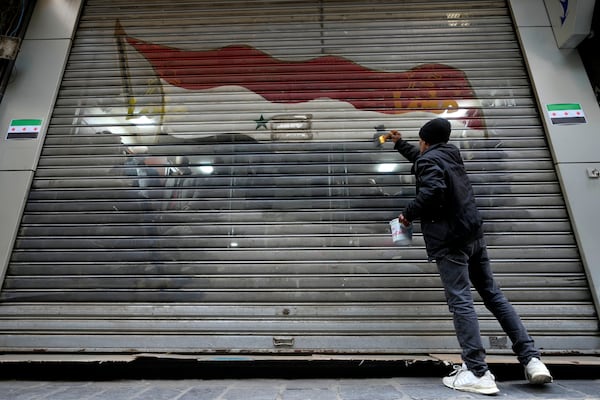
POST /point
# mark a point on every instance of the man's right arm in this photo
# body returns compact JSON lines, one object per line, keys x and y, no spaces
{"x":408,"y":151}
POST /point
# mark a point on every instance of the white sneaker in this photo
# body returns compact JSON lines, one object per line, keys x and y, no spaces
{"x":537,"y":373}
{"x":465,"y":380}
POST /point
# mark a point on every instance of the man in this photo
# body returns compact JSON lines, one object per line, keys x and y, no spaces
{"x":452,"y":230}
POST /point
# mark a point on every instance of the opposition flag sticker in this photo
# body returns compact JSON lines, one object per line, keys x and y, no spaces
{"x":569,"y":113}
{"x":24,"y":129}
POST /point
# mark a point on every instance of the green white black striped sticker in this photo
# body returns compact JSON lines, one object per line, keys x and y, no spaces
{"x":566,"y":113}
{"x":24,"y":128}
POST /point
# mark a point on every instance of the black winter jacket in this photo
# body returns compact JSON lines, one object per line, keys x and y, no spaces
{"x":444,"y":203}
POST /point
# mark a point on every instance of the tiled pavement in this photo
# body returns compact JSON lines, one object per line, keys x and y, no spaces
{"x":284,"y":389}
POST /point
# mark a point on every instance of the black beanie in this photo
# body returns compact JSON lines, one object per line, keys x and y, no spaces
{"x":435,"y":131}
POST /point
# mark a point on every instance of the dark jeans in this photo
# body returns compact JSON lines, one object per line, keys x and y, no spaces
{"x":458,"y":270}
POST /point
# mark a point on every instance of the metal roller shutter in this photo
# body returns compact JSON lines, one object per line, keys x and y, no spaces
{"x":210,"y":183}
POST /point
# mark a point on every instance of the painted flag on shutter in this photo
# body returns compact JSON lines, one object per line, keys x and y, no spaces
{"x":568,"y":113}
{"x":24,"y":128}
{"x":429,"y":88}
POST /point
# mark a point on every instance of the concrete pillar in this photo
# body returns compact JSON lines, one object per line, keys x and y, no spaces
{"x":30,"y":95}
{"x":558,"y":76}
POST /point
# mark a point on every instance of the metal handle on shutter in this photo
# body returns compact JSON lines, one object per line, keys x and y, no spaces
{"x":283,"y":341}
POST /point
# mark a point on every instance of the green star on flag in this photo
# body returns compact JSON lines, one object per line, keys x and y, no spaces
{"x":261,"y":123}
